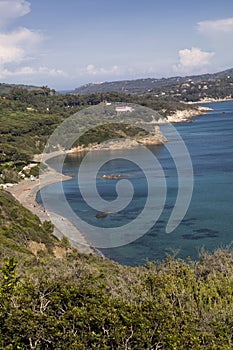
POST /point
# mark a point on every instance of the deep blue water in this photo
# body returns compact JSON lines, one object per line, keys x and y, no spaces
{"x":208,"y":222}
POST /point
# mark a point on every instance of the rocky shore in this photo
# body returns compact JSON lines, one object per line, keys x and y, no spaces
{"x":26,"y":190}
{"x":185,"y":115}
{"x":211,"y":100}
{"x":155,"y":138}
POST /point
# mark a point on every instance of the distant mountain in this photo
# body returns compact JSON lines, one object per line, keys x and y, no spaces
{"x":6,"y":88}
{"x":141,"y":86}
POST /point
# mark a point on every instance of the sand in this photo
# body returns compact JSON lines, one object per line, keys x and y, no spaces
{"x":25,"y":192}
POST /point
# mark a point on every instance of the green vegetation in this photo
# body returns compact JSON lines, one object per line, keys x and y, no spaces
{"x":197,"y":90}
{"x":18,"y":226}
{"x":23,"y":133}
{"x":108,"y":132}
{"x":28,"y":118}
{"x":89,"y":302}
{"x":7,"y":88}
{"x":53,"y":297}
{"x":190,"y":88}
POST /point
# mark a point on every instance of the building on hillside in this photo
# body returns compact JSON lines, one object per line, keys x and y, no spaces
{"x":105,"y":103}
{"x":120,"y":109}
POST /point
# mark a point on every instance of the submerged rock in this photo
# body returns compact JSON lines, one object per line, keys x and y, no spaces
{"x":102,"y":215}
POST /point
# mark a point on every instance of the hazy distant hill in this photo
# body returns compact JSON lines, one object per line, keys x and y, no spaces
{"x":149,"y":84}
{"x":6,"y":88}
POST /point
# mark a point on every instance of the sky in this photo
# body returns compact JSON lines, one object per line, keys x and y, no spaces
{"x":65,"y":44}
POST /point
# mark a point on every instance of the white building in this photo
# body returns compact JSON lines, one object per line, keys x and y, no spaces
{"x":120,"y":109}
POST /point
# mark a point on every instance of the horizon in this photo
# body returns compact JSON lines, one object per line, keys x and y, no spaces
{"x":152,"y":77}
{"x":67,"y":46}
{"x":115,"y":81}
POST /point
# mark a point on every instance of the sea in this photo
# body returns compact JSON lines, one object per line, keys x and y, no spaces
{"x":208,"y":222}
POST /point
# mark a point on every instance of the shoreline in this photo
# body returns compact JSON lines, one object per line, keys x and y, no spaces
{"x":26,"y":191}
{"x":209,"y":100}
{"x":184,"y":116}
{"x":156,"y":139}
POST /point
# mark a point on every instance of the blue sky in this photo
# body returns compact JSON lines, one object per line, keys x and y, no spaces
{"x":64,"y":44}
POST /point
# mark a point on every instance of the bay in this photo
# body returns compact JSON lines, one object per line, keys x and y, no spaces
{"x":208,"y":222}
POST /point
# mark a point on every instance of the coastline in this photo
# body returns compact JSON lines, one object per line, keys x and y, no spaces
{"x":210,"y":100}
{"x":184,"y":116}
{"x":25,"y":192}
{"x":157,"y":138}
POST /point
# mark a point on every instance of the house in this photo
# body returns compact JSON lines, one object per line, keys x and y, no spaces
{"x":105,"y":103}
{"x":120,"y":109}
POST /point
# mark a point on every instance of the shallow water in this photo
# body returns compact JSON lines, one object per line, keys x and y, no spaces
{"x":208,"y":222}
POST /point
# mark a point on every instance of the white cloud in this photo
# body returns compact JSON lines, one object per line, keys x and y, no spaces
{"x":18,"y":45}
{"x":12,"y":9}
{"x":93,"y":70}
{"x":116,"y":70}
{"x":50,"y":71}
{"x":27,"y":70}
{"x":217,"y":26}
{"x":193,"y":60}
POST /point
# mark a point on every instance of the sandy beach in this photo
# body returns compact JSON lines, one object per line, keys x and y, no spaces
{"x":25,"y":192}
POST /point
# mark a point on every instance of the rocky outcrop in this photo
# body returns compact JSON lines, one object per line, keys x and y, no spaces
{"x":185,"y":115}
{"x":154,"y":138}
{"x":102,"y":215}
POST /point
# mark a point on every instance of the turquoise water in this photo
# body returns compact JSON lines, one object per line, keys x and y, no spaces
{"x":208,"y":222}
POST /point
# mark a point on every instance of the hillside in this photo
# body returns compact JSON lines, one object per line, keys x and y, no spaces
{"x":6,"y":88}
{"x":216,"y":85}
{"x":77,"y":301}
{"x":53,"y":297}
{"x":19,"y":228}
{"x":28,"y":118}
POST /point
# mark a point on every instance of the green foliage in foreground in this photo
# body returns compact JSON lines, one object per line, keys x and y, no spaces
{"x":89,"y":302}
{"x":85,"y":302}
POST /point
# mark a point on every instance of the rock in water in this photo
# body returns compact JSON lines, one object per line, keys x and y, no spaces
{"x":102,"y":215}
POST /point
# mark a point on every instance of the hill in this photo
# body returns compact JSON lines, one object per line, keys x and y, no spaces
{"x":6,"y":88}
{"x":181,"y":88}
{"x":19,"y":228}
{"x":54,"y":297}
{"x":28,"y":118}
{"x":78,"y":301}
